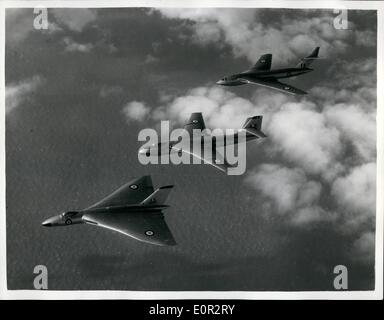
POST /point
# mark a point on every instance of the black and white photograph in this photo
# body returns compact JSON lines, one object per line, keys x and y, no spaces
{"x":167,"y":150}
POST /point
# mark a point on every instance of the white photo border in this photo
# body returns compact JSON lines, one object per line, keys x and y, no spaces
{"x":376,"y":294}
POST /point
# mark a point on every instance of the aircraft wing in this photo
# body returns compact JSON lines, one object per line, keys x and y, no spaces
{"x":217,"y":160}
{"x":275,"y":84}
{"x":146,"y":226}
{"x":196,"y":122}
{"x":263,"y":64}
{"x":133,"y":192}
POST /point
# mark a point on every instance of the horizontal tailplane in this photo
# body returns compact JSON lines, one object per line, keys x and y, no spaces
{"x":253,"y":126}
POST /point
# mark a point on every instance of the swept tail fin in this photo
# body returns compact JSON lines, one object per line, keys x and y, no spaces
{"x":158,"y":197}
{"x":307,"y":61}
{"x":253,"y":126}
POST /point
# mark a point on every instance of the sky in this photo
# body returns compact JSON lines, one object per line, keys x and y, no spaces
{"x":78,"y":93}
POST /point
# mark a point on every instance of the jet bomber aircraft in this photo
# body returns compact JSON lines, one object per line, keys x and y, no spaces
{"x":251,"y":130}
{"x":262,"y":75}
{"x":134,"y":209}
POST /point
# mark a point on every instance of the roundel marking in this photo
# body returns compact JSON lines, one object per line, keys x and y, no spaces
{"x":149,"y":233}
{"x":68,"y":221}
{"x":133,"y":186}
{"x":286,"y":88}
{"x":195,"y":121}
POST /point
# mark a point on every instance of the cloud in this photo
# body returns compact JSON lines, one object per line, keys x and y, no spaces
{"x":306,"y":216}
{"x":151,"y":59}
{"x":136,"y":111}
{"x":19,"y":26}
{"x":353,"y":74}
{"x":245,"y":31}
{"x":107,"y":91}
{"x":19,"y":23}
{"x":304,"y":137}
{"x":355,"y":194}
{"x":364,"y":247}
{"x":72,"y":46}
{"x":366,"y":38}
{"x":74,"y":19}
{"x":356,"y":126}
{"x":52,"y":28}
{"x":221,"y":108}
{"x":288,"y":188}
{"x":17,"y":93}
{"x":289,"y":192}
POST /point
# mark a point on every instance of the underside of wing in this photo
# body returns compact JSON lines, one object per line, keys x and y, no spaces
{"x":146,"y":226}
{"x":133,"y":192}
{"x":277,"y":85}
{"x":195,"y":122}
{"x":263,"y":64}
{"x":216,"y":159}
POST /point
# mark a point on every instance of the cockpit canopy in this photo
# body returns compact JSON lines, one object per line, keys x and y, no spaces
{"x":230,"y":78}
{"x":68,"y":214}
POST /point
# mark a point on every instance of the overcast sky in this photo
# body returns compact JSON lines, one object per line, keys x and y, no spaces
{"x":78,"y":93}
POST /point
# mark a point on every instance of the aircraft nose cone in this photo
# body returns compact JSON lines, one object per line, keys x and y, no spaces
{"x":48,"y":222}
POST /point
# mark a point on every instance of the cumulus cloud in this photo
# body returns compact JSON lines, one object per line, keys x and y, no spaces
{"x":74,"y":19}
{"x":136,"y":111}
{"x":221,"y":108}
{"x":18,"y":93}
{"x":290,"y":193}
{"x":288,"y":188}
{"x":364,"y":247}
{"x":304,"y":137}
{"x":356,"y":126}
{"x":72,"y":46}
{"x":245,"y":32}
{"x":356,"y":194}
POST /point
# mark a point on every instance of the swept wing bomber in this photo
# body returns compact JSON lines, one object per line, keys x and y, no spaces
{"x":134,"y":209}
{"x":251,"y":130}
{"x":262,"y":74}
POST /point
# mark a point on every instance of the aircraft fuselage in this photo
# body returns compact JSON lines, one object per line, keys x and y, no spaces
{"x":76,"y":217}
{"x":242,"y":78}
{"x":215,"y":141}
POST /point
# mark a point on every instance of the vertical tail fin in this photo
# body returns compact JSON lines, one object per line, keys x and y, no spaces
{"x":158,"y":197}
{"x":253,"y":126}
{"x":307,"y":61}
